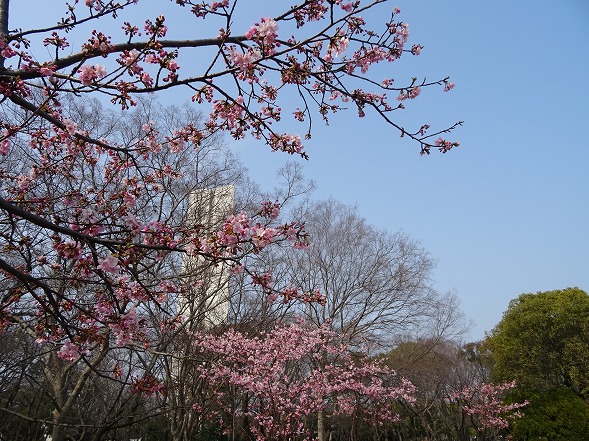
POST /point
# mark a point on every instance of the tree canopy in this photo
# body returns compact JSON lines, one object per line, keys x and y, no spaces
{"x":542,"y":343}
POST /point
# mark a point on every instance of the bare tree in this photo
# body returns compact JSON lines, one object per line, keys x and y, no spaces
{"x":377,"y":284}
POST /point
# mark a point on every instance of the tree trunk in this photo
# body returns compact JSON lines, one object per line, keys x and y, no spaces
{"x":57,"y":432}
{"x":55,"y":373}
{"x":320,"y":426}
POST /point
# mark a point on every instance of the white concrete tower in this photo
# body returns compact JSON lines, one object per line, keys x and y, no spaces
{"x":207,"y":302}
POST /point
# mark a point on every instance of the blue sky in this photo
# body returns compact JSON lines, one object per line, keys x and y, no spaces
{"x":507,"y":212}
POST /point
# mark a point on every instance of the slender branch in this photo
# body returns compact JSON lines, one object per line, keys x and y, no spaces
{"x":78,"y":387}
{"x":44,"y":223}
{"x":19,"y":101}
{"x":27,"y":280}
{"x":34,"y":419}
{"x":30,"y":283}
{"x":65,"y":25}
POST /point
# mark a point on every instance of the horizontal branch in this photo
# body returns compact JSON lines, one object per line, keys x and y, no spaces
{"x":27,"y":280}
{"x":19,"y":101}
{"x":118,"y":48}
{"x":44,"y":223}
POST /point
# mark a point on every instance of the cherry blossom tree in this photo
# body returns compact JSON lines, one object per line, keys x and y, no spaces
{"x":269,"y":385}
{"x":117,"y":350}
{"x":93,"y":225}
{"x":484,"y":403}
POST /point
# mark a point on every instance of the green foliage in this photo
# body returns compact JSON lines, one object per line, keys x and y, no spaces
{"x":543,"y":341}
{"x":555,"y":415}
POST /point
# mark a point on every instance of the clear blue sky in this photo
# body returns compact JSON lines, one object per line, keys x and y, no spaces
{"x":507,"y":212}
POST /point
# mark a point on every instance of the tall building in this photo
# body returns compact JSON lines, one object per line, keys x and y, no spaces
{"x":207,"y":301}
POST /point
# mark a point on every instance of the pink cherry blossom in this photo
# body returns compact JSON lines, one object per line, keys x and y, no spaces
{"x":416,"y":49}
{"x":347,"y":6}
{"x":89,"y":74}
{"x":47,"y":71}
{"x":126,"y":328}
{"x":265,"y":33}
{"x":262,"y":236}
{"x":411,"y":93}
{"x":236,"y":269}
{"x":449,"y":86}
{"x":5,"y":143}
{"x":109,"y":264}
{"x":485,"y":402}
{"x":133,"y":223}
{"x":69,"y":351}
{"x":270,"y":209}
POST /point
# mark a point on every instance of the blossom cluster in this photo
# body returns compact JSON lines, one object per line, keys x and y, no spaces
{"x":486,"y":403}
{"x":241,"y":231}
{"x":264,"y":33}
{"x":281,"y":376}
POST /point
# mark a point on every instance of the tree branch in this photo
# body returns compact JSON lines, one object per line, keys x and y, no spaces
{"x":3,"y":25}
{"x":117,"y":48}
{"x":44,"y":223}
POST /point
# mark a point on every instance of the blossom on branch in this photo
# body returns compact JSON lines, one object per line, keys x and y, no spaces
{"x":89,"y":74}
{"x":485,"y":403}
